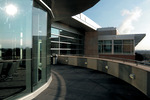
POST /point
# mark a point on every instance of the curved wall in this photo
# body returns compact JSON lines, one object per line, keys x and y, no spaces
{"x":136,"y":75}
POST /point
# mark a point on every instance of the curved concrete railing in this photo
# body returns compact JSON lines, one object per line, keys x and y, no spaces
{"x":136,"y":75}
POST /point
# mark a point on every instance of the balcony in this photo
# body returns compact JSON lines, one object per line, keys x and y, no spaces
{"x":80,"y":83}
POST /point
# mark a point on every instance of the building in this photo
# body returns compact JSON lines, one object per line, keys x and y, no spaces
{"x":32,"y":30}
{"x":79,"y":35}
{"x":68,"y":35}
{"x":117,"y":45}
{"x":25,"y":29}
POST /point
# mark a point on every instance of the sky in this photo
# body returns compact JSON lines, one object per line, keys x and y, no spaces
{"x":128,"y":16}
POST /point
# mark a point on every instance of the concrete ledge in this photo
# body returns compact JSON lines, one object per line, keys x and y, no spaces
{"x":72,"y":61}
{"x":92,"y":64}
{"x":113,"y":69}
{"x":37,"y":92}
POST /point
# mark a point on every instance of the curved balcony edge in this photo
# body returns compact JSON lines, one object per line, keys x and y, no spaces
{"x":37,"y":92}
{"x":137,"y":76}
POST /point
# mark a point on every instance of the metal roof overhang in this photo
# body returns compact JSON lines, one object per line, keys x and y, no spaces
{"x":67,"y":8}
{"x":137,"y":37}
{"x":76,"y":24}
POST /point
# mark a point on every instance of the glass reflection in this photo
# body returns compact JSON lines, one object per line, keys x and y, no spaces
{"x":11,"y":9}
{"x":39,"y":46}
{"x":15,"y":46}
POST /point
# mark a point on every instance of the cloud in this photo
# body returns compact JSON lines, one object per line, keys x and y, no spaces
{"x":127,"y":25}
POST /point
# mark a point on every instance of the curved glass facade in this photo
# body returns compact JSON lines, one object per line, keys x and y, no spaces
{"x":24,"y":57}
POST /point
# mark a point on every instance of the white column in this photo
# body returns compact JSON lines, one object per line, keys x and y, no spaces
{"x":112,"y":46}
{"x":0,"y":51}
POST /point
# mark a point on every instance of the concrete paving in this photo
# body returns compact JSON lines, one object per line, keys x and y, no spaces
{"x":78,"y":83}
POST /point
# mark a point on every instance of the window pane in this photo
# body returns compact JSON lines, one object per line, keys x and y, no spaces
{"x":69,"y":40}
{"x":39,"y":47}
{"x":81,"y":37}
{"x":54,"y":51}
{"x":127,"y":48}
{"x":54,"y":45}
{"x":65,"y":52}
{"x":80,"y":52}
{"x":100,"y":48}
{"x":65,"y":45}
{"x":100,"y":42}
{"x":117,"y":48}
{"x":16,"y":46}
{"x":54,"y":38}
{"x":118,"y":42}
{"x":108,"y":42}
{"x":73,"y":51}
{"x":65,"y":33}
{"x":54,"y":31}
{"x":70,"y":43}
{"x":107,"y":48}
{"x":127,"y":41}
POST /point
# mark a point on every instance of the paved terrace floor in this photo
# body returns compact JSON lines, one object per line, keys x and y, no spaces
{"x":78,"y":83}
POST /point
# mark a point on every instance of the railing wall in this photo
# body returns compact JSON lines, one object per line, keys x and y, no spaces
{"x":136,"y":75}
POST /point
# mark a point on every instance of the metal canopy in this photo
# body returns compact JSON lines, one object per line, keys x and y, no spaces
{"x":138,"y":38}
{"x":78,"y":25}
{"x":67,"y":8}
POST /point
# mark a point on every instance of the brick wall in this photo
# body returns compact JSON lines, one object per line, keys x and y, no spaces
{"x":132,"y":57}
{"x":91,"y":44}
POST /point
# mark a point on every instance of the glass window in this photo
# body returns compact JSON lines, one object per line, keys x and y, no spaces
{"x":100,"y":42}
{"x":127,"y":41}
{"x":80,"y":52}
{"x":127,"y":48}
{"x":39,"y":53}
{"x":107,"y":42}
{"x":123,"y":46}
{"x":67,"y":42}
{"x":81,"y":37}
{"x":69,"y":34}
{"x":23,"y":47}
{"x":117,"y":48}
{"x":54,"y":45}
{"x":54,"y":51}
{"x":65,"y":45}
{"x":105,"y":46}
{"x":73,"y":51}
{"x":117,"y":42}
{"x":54,"y":38}
{"x":100,"y":49}
{"x":54,"y":31}
{"x":65,"y":52}
{"x":16,"y":46}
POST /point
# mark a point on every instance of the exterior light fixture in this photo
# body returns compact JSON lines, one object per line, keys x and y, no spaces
{"x":106,"y":67}
{"x":132,"y":76}
{"x":11,"y":9}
